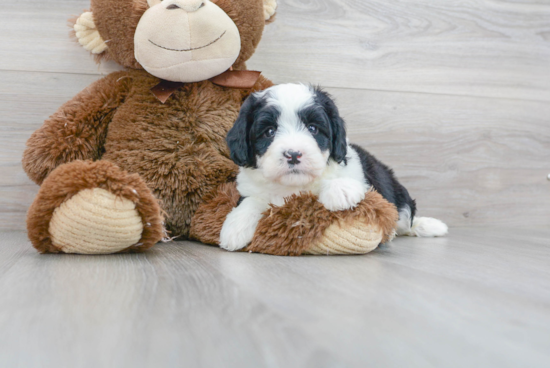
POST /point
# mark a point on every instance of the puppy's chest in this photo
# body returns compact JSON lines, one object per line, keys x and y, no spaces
{"x":251,"y":183}
{"x":333,"y":171}
{"x":278,"y":194}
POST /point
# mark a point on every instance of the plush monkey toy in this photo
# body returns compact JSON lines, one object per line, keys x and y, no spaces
{"x":140,"y":155}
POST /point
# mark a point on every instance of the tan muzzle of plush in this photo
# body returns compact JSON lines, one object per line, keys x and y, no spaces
{"x":186,"y":40}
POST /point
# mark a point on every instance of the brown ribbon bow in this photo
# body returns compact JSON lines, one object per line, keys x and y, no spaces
{"x":242,"y":79}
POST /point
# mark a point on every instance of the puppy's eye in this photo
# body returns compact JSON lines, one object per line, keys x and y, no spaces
{"x":313,"y":129}
{"x":270,"y":133}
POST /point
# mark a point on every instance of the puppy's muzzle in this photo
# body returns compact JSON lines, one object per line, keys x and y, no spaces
{"x":292,"y":157}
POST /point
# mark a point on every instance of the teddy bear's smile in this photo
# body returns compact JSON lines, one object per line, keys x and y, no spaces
{"x":191,"y":49}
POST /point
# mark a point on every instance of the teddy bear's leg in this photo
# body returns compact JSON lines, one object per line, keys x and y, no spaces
{"x":90,"y":207}
{"x":302,"y":225}
{"x":355,"y":237}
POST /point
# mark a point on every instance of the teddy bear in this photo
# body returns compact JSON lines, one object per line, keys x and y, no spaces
{"x":140,"y":155}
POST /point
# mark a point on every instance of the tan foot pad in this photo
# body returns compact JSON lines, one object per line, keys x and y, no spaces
{"x":95,"y":221}
{"x":357,"y":239}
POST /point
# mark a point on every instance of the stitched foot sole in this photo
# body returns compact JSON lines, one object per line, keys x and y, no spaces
{"x":95,"y":221}
{"x":359,"y":238}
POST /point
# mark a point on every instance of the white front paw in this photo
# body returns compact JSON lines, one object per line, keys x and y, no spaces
{"x":342,"y":194}
{"x":240,"y":225}
{"x":232,"y":238}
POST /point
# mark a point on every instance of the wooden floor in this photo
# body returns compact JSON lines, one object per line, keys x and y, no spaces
{"x":479,"y":298}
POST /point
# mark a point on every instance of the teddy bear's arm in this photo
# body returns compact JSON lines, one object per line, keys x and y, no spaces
{"x":77,"y":130}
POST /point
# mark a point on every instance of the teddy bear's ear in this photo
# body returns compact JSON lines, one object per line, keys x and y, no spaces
{"x":270,"y":7}
{"x":88,"y":35}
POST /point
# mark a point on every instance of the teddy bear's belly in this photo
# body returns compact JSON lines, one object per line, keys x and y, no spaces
{"x":181,"y":157}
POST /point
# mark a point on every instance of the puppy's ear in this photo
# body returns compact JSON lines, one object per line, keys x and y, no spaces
{"x":238,"y":138}
{"x":337,"y":125}
{"x":339,"y":142}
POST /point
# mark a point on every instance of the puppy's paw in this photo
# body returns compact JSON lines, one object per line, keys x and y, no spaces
{"x":342,"y":194}
{"x":233,"y":238}
{"x":240,"y":225}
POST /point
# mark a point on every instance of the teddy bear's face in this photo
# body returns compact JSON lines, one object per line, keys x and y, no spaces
{"x":186,"y":40}
{"x":176,"y":40}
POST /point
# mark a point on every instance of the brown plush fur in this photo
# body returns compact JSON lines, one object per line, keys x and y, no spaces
{"x":77,"y":131}
{"x":69,"y":179}
{"x":209,"y":217}
{"x":178,"y":148}
{"x":291,"y":229}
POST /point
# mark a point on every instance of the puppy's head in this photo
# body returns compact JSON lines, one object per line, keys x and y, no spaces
{"x":288,"y":132}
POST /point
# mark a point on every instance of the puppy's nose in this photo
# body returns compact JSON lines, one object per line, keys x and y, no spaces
{"x":293,"y":156}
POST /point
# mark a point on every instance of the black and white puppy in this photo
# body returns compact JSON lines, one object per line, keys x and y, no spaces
{"x":289,"y":139}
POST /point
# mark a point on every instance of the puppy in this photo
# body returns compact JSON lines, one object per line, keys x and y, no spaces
{"x":289,"y":139}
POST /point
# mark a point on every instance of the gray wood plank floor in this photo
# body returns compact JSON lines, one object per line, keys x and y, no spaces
{"x":479,"y":298}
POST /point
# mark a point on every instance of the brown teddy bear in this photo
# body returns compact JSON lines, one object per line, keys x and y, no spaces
{"x":140,"y":155}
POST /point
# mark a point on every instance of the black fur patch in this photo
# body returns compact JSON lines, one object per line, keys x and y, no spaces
{"x":241,"y":199}
{"x":337,"y":125}
{"x":245,"y":139}
{"x":265,"y":118}
{"x":315,"y":115}
{"x":383,"y":179}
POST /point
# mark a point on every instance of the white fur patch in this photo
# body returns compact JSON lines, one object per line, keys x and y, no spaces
{"x":274,"y":165}
{"x":425,"y":227}
{"x":290,"y":98}
{"x":341,"y":194}
{"x":241,"y":223}
{"x":428,"y":227}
